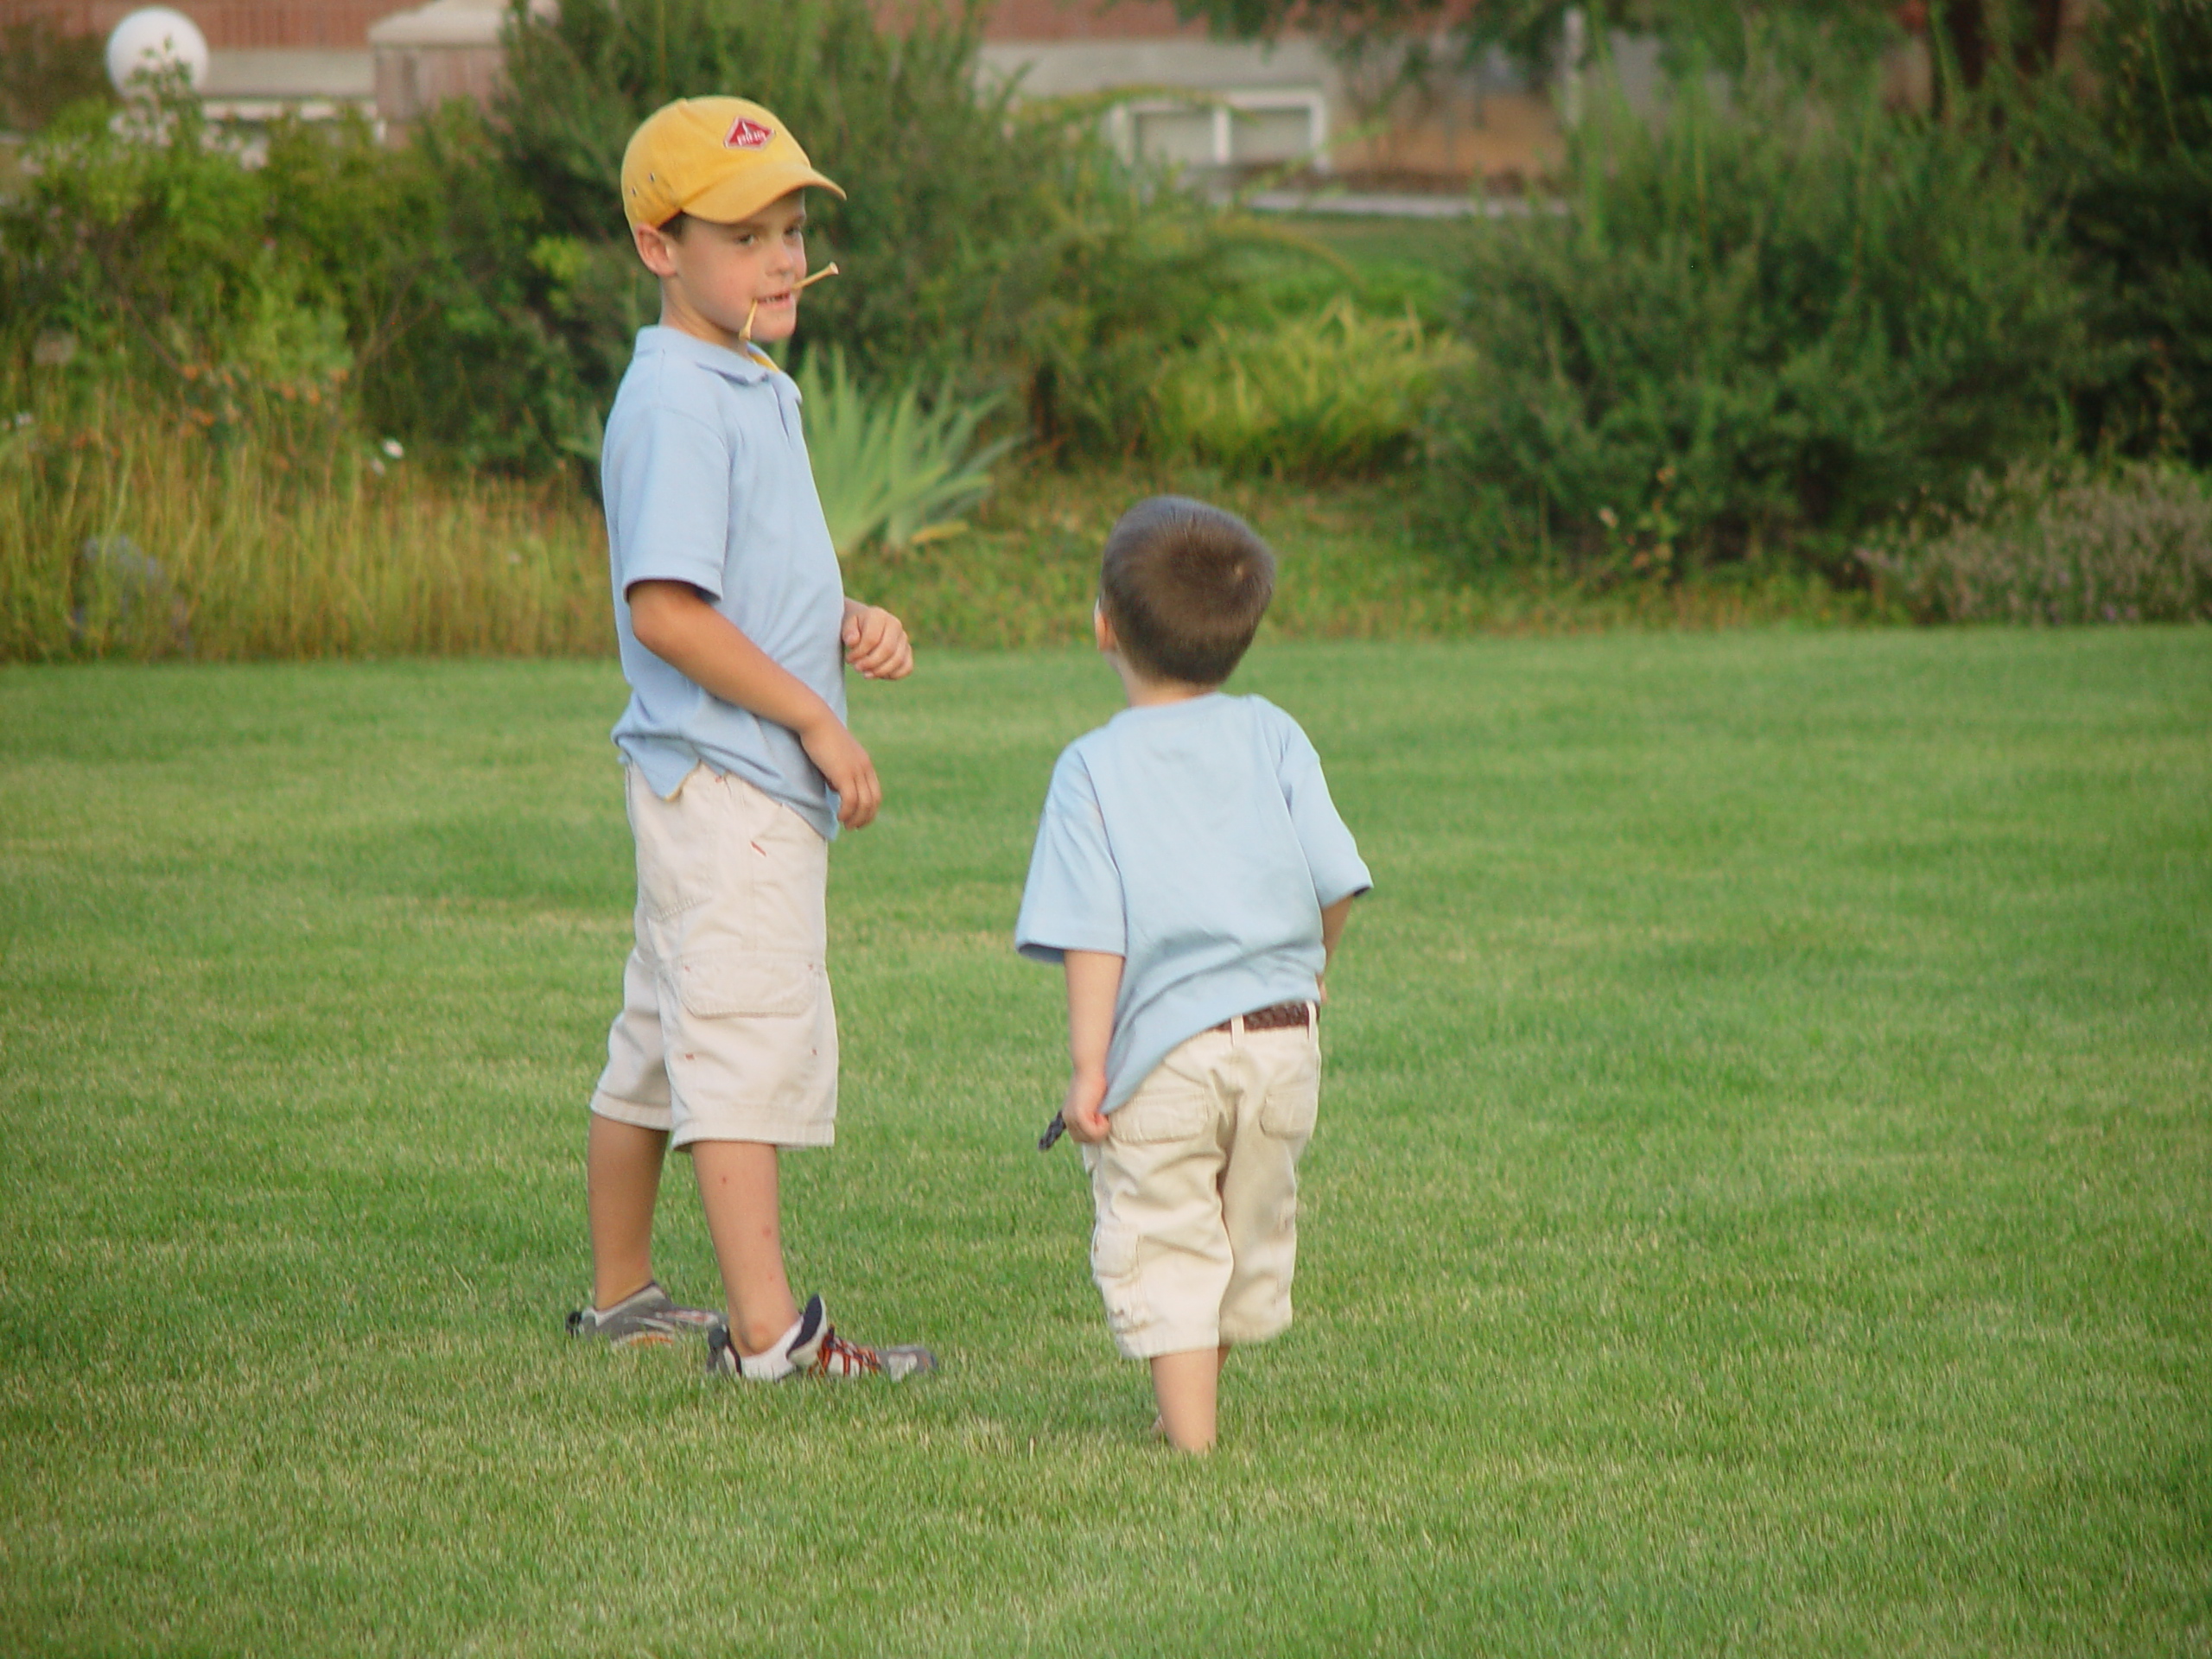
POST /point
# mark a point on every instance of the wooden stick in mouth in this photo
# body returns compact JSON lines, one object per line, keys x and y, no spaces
{"x":745,"y":333}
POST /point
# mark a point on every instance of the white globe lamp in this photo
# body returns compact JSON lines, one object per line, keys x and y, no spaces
{"x":155,"y":38}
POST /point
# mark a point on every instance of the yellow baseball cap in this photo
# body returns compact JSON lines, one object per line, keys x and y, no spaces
{"x":715,"y":158}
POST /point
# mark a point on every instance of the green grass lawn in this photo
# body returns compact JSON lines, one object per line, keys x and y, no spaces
{"x":1763,"y":1199}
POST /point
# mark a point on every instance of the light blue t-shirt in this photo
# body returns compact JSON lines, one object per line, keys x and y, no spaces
{"x":706,"y":479}
{"x":1195,"y":841}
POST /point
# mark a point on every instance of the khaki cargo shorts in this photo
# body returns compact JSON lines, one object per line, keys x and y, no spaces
{"x":1196,"y":1190}
{"x":727,"y":1030}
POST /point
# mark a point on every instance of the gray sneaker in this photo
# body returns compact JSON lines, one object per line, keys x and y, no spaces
{"x":647,"y":1318}
{"x":818,"y":1350}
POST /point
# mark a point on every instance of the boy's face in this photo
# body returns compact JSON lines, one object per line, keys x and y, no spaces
{"x":714,"y":277}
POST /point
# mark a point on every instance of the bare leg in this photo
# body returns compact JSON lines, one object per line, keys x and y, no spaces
{"x":1158,"y":1419}
{"x":1188,"y":1387}
{"x":622,"y":1178}
{"x":738,"y":1186}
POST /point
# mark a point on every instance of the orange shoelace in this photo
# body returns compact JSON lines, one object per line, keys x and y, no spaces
{"x":841,"y":1358}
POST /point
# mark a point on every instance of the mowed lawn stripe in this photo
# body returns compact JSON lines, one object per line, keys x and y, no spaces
{"x":1763,"y":1199}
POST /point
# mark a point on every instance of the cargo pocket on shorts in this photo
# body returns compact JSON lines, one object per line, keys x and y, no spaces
{"x":1114,"y":1267}
{"x":1293,"y":1105}
{"x":1143,"y":1121}
{"x":752,"y":984}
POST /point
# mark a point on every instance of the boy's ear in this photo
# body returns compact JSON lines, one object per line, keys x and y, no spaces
{"x":653,"y":248}
{"x":1101,"y":628}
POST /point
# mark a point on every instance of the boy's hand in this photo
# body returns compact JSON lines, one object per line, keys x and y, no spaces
{"x":1079,"y":1111}
{"x":876,"y":642}
{"x":677,"y":624}
{"x":845,"y":765}
{"x":1094,"y":982}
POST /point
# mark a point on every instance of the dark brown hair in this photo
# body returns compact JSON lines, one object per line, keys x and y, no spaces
{"x":1185,"y":586}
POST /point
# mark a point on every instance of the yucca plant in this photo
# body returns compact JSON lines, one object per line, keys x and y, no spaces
{"x":888,"y":469}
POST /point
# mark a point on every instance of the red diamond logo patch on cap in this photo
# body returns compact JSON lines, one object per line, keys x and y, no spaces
{"x":748,"y":134}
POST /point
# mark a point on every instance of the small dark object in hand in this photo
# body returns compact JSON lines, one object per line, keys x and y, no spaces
{"x":1054,"y":1131}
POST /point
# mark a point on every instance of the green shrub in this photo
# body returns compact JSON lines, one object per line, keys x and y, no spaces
{"x":43,"y":72}
{"x":1759,"y":330}
{"x":2130,"y":164}
{"x":510,"y":339}
{"x":2055,"y":542}
{"x":1307,"y":277}
{"x":1126,"y":283}
{"x":154,"y":256}
{"x":1334,"y":394}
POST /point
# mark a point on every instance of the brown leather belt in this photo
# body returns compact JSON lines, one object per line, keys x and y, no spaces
{"x":1281,"y":1017}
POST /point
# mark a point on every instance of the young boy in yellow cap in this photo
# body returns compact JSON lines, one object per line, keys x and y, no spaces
{"x":735,"y":633}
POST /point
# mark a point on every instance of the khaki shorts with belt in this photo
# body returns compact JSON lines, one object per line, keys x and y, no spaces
{"x":727,"y":1030}
{"x":1196,"y":1188}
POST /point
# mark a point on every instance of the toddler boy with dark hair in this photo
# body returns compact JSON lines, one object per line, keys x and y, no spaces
{"x":1191,"y":876}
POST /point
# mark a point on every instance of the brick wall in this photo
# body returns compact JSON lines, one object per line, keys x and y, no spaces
{"x":228,"y":24}
{"x":344,"y":23}
{"x":1074,"y":20}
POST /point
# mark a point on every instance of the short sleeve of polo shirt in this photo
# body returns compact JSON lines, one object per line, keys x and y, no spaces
{"x":1073,"y":900}
{"x":670,"y":482}
{"x":1331,"y":853}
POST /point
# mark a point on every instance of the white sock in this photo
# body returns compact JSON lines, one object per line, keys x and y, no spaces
{"x":776,"y":1362}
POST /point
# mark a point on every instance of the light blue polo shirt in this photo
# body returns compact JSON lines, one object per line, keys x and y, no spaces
{"x":706,"y":481}
{"x":1195,"y":841}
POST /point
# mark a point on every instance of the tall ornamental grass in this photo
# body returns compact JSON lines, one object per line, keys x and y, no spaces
{"x":125,"y":536}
